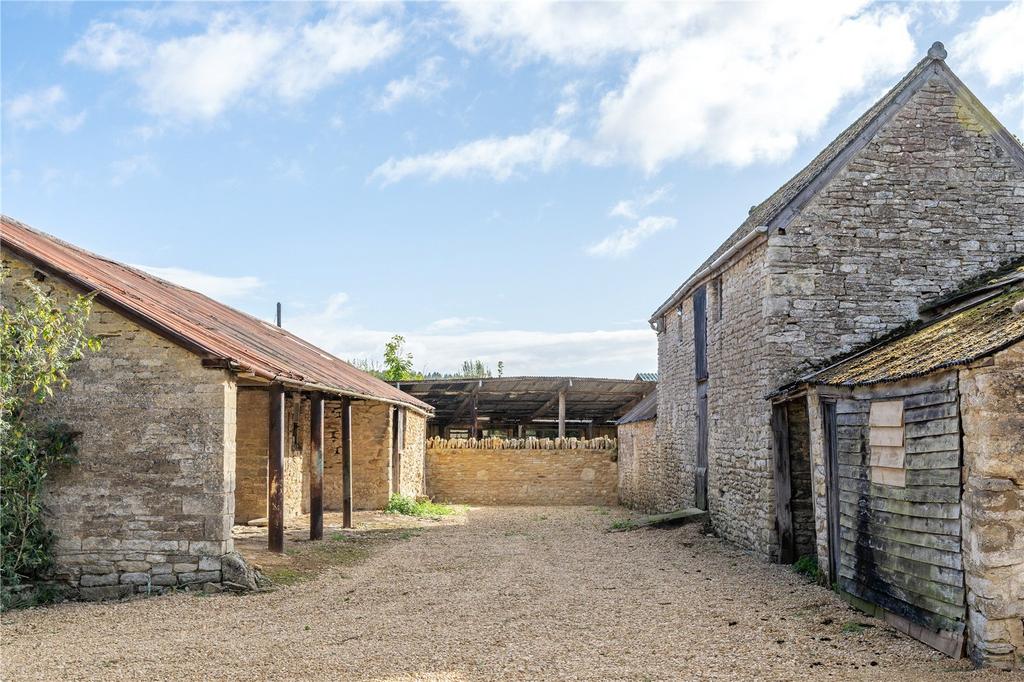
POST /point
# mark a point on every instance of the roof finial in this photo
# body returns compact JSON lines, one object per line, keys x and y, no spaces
{"x":937,"y":50}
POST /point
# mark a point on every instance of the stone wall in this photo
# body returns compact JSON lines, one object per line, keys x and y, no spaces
{"x":479,"y":475}
{"x":371,"y":455}
{"x":637,"y":457}
{"x":740,"y":483}
{"x":931,"y":201}
{"x":253,"y":440}
{"x":992,"y":417}
{"x":150,"y":502}
{"x":413,"y":456}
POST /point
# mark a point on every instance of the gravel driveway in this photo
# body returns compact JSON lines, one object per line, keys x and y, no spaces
{"x":514,"y":593}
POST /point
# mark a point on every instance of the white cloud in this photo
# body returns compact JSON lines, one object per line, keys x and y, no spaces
{"x":497,"y":157}
{"x":237,"y":56}
{"x":214,"y":286}
{"x":733,"y":83}
{"x":450,"y":324}
{"x":570,"y":33}
{"x":991,"y":48}
{"x":754,"y":84}
{"x":625,"y":240}
{"x":427,"y":82}
{"x":44,"y":107}
{"x":619,"y":352}
{"x":123,"y":170}
{"x":631,"y":208}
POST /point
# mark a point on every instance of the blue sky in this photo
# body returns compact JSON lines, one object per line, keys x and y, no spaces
{"x":524,"y":183}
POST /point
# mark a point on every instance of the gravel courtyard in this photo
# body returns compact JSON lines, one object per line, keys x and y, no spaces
{"x":512,"y":593}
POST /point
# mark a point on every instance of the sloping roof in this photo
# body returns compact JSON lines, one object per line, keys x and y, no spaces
{"x":212,"y":330}
{"x":518,"y":398}
{"x":644,"y":410}
{"x":787,"y":200}
{"x":646,"y":376}
{"x":969,"y":334}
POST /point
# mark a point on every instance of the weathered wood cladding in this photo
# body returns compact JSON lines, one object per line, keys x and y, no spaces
{"x":901,"y":546}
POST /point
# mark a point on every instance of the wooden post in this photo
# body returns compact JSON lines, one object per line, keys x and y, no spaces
{"x":275,"y":471}
{"x":590,"y":430}
{"x":783,"y":485}
{"x":475,"y":431}
{"x":561,"y":413}
{"x":316,"y":468}
{"x":346,"y":462}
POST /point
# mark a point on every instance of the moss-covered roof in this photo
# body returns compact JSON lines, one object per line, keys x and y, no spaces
{"x":962,"y":337}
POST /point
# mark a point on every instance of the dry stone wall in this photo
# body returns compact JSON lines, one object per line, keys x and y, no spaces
{"x":149,"y":504}
{"x":637,"y":461}
{"x":371,"y":455}
{"x":992,"y":417}
{"x":927,"y":204}
{"x":520,"y":475}
{"x":413,"y":456}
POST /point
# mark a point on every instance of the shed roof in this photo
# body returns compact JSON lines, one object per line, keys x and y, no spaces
{"x":970,"y":333}
{"x":789,"y":199}
{"x":646,"y":376}
{"x":518,"y":398}
{"x":644,"y":410}
{"x":216,"y":332}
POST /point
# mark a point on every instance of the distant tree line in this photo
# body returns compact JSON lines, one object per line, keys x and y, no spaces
{"x":397,"y":365}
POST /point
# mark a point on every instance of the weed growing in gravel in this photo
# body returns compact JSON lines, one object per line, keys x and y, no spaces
{"x":807,"y":566}
{"x":624,"y":524}
{"x":422,"y":507}
{"x":855,"y":628}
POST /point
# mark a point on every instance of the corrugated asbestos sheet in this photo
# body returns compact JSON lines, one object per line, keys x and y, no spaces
{"x":972,"y":333}
{"x":644,"y":410}
{"x":212,"y":330}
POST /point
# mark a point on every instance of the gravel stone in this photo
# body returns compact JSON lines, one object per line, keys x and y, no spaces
{"x":523,"y":593}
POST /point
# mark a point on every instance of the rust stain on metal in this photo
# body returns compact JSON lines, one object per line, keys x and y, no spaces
{"x":213,"y":330}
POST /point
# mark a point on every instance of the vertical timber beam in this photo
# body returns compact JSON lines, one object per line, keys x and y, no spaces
{"x":476,"y":423}
{"x":316,"y":468}
{"x":783,"y":484}
{"x":275,"y":471}
{"x":346,"y":462}
{"x":561,"y":413}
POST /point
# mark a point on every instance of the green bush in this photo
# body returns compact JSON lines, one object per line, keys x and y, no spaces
{"x":423,"y":507}
{"x":39,"y":342}
{"x":808,"y":566}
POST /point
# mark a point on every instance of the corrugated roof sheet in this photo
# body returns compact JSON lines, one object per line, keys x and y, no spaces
{"x":646,"y":376}
{"x":210,"y":329}
{"x":964,"y":336}
{"x":644,"y":410}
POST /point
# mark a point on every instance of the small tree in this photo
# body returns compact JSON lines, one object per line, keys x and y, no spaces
{"x":39,"y":342}
{"x":397,"y":363}
{"x":501,"y":368}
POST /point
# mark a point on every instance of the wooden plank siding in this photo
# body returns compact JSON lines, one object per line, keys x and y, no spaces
{"x":901,"y":546}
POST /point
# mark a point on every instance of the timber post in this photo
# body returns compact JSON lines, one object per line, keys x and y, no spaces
{"x":316,"y":468}
{"x":275,"y":471}
{"x":346,"y":462}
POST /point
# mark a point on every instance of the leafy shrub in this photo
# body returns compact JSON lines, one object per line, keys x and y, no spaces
{"x":422,"y":507}
{"x":39,"y":341}
{"x":808,"y":566}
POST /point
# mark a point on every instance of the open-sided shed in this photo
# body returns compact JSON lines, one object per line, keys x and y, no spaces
{"x":194,"y":415}
{"x":528,"y":406}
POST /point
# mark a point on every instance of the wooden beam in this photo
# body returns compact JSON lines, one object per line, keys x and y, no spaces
{"x":551,"y":401}
{"x":467,"y":402}
{"x":561,"y":413}
{"x":275,"y":471}
{"x":316,"y":468}
{"x":783,"y":485}
{"x":346,"y":462}
{"x":475,"y":430}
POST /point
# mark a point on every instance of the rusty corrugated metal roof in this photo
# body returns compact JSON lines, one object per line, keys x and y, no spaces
{"x":967,"y":335}
{"x":212,"y":330}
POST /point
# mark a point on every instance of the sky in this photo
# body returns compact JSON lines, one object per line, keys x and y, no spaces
{"x":521,"y":183}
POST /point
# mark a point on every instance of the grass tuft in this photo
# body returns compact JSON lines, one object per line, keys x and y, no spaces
{"x":421,"y":507}
{"x":807,"y":566}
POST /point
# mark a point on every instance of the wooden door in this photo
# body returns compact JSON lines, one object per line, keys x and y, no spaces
{"x":831,"y":447}
{"x":701,"y":494}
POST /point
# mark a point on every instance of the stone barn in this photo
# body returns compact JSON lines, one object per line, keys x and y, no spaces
{"x":916,"y":448}
{"x":921,"y":193}
{"x":637,"y":453}
{"x":193,"y":416}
